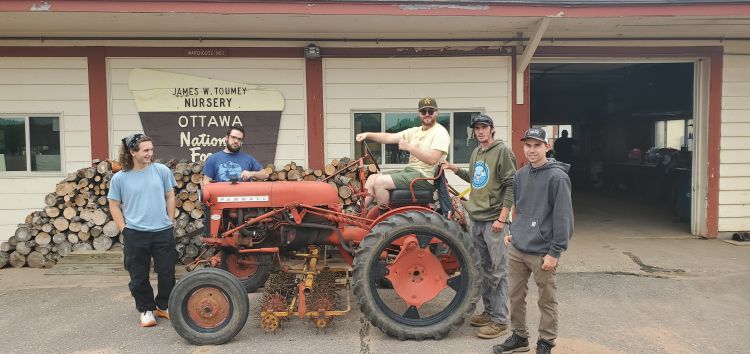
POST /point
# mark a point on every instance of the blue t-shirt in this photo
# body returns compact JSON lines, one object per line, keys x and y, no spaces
{"x":222,"y":166}
{"x":141,"y":194}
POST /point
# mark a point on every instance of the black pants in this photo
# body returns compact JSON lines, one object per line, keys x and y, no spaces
{"x":139,"y":247}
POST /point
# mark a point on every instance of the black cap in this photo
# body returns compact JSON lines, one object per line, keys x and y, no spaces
{"x":535,"y":133}
{"x":482,"y":119}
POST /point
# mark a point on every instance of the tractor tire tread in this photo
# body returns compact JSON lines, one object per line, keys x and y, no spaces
{"x":235,"y":293}
{"x":361,"y":277}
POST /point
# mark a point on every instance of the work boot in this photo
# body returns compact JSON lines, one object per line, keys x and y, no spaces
{"x":161,"y":313}
{"x":544,"y":347}
{"x":480,"y":320}
{"x":492,"y":330}
{"x":514,"y":344}
{"x":147,"y":319}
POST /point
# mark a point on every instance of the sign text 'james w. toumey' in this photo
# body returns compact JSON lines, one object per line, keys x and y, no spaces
{"x":188,"y":116}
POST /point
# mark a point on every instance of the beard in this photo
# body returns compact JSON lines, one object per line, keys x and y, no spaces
{"x":230,"y":148}
{"x":431,"y":122}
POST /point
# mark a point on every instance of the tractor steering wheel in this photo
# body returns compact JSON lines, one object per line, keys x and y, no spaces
{"x":367,"y":152}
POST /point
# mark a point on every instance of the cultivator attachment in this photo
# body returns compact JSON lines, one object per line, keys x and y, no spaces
{"x":310,"y":292}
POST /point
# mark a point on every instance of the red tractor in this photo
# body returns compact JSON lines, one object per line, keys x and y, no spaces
{"x":414,"y":270}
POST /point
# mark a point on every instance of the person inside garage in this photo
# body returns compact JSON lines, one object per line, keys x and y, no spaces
{"x":427,"y":145}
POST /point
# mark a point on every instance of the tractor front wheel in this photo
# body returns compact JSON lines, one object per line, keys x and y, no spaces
{"x":208,"y":306}
{"x":433,"y":268}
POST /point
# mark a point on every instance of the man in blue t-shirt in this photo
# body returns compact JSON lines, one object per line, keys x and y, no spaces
{"x":231,"y":163}
{"x":228,"y":164}
{"x":142,"y":204}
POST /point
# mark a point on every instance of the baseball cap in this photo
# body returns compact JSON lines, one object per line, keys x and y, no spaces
{"x":535,"y":133}
{"x":482,"y":119}
{"x":428,"y":102}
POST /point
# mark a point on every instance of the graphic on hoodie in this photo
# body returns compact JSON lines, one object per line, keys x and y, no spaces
{"x":481,"y":175}
{"x":229,"y":169}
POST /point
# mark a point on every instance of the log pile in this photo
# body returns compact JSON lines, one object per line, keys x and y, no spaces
{"x":344,"y":179}
{"x":76,"y":216}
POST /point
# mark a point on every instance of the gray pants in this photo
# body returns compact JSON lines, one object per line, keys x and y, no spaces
{"x":494,"y":257}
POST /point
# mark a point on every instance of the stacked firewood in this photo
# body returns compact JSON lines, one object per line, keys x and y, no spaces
{"x":344,"y":179}
{"x":76,"y":216}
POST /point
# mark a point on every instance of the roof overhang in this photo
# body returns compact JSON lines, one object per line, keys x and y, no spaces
{"x":372,"y":21}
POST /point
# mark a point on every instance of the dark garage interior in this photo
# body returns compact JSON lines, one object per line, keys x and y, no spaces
{"x":630,"y":128}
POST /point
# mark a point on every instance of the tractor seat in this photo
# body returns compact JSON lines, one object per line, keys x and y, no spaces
{"x":402,"y":197}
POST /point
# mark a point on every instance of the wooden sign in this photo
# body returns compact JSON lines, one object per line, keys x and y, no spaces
{"x":188,"y":117}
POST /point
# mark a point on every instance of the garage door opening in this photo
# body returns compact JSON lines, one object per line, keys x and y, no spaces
{"x":627,"y":130}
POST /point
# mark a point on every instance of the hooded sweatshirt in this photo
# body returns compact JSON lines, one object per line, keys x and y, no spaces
{"x":490,"y":173}
{"x":543,"y":223}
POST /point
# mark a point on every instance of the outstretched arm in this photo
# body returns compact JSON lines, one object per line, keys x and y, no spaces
{"x":383,"y":138}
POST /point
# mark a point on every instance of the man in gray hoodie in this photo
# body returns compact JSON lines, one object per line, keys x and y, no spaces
{"x":491,"y":169}
{"x":541,"y":229}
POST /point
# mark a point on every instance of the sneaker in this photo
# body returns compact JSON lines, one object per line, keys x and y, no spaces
{"x":544,"y":347}
{"x":147,"y":319}
{"x":161,"y":313}
{"x":492,"y":330}
{"x":480,"y":320}
{"x":513,"y":344}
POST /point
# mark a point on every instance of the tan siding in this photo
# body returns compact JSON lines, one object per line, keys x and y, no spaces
{"x":734,"y":197}
{"x":734,"y":143}
{"x":285,"y":75}
{"x":735,"y":156}
{"x":734,"y":168}
{"x":736,"y":129}
{"x":737,"y":211}
{"x":734,"y":183}
{"x":728,"y":224}
{"x":43,"y":86}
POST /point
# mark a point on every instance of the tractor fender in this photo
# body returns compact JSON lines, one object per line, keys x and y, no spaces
{"x":400,"y":210}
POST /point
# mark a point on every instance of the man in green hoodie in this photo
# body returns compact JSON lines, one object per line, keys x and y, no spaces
{"x":491,"y":169}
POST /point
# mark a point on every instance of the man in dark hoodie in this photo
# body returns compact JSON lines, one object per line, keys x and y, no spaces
{"x":541,"y":228}
{"x":491,"y":169}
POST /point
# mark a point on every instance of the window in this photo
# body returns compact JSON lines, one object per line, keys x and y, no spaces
{"x":457,"y":124}
{"x":30,"y":144}
{"x":676,"y":134}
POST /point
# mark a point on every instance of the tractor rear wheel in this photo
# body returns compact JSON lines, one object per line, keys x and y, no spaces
{"x":208,"y":306}
{"x":434,"y":270}
{"x":252,"y":270}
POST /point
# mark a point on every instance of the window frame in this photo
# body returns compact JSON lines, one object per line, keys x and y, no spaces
{"x":382,"y":113}
{"x":685,"y":132}
{"x":27,"y":131}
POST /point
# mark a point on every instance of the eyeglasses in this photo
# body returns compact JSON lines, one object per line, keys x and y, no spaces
{"x":235,"y":138}
{"x":427,"y":112}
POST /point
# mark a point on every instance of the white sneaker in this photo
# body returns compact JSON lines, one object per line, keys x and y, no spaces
{"x":147,"y":319}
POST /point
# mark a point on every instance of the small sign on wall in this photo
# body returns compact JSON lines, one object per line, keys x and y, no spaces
{"x":188,"y":116}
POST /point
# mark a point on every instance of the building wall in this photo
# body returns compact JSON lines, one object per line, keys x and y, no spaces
{"x":285,"y":75}
{"x":734,"y":180}
{"x":396,"y":84}
{"x":50,"y":86}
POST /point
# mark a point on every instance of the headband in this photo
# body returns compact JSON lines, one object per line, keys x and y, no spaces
{"x":131,"y":141}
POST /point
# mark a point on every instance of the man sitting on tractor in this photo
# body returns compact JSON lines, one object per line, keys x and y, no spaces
{"x":427,"y":146}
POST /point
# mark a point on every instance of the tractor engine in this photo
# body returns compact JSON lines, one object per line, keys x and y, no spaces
{"x":232,"y":204}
